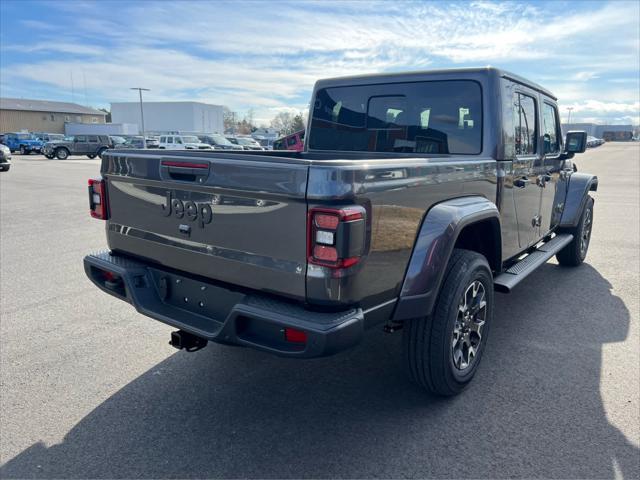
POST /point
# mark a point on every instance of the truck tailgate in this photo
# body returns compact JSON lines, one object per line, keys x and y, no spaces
{"x":235,"y":218}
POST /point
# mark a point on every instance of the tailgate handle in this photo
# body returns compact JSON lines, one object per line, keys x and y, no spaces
{"x":185,"y":171}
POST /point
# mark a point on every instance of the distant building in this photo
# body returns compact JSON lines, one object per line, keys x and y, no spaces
{"x":159,"y":117}
{"x":608,"y":132}
{"x":19,"y":114}
{"x":101,"y":129}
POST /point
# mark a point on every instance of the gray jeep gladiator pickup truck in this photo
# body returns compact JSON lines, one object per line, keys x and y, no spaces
{"x":416,"y":197}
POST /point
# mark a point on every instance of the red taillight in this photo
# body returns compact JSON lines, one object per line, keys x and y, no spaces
{"x":325,"y":254}
{"x":97,"y":198}
{"x":336,"y":236}
{"x":295,"y":336}
{"x":324,"y":220}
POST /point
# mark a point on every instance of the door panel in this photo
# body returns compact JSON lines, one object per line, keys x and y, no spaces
{"x":553,"y":163}
{"x":527,"y":166}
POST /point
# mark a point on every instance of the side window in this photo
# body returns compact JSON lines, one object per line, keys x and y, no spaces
{"x":524,"y":122}
{"x":550,"y":129}
{"x":278,"y":145}
{"x":169,"y":139}
{"x":81,"y":138}
{"x":178,"y":140}
{"x":292,"y":141}
{"x":163,"y":139}
{"x":93,"y":139}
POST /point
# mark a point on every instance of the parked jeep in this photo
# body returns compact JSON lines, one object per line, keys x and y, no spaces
{"x":90,"y":145}
{"x":25,"y":143}
{"x":417,"y":196}
{"x":5,"y":158}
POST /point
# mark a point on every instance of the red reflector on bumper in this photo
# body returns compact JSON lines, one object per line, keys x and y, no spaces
{"x":295,"y":336}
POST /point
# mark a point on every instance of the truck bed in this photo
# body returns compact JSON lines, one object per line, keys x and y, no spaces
{"x":256,"y":237}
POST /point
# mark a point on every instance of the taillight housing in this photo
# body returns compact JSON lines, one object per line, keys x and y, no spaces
{"x":336,"y":236}
{"x":97,"y":198}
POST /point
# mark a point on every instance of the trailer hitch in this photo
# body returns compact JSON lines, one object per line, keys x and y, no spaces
{"x":187,"y":341}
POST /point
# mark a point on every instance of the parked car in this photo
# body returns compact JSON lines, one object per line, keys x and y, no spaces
{"x":5,"y":158}
{"x":90,"y":145}
{"x":405,"y":210}
{"x":182,"y":142}
{"x":594,"y":141}
{"x":247,"y":143}
{"x":219,"y":142}
{"x":25,"y":143}
{"x":294,"y":142}
{"x":117,"y":141}
{"x":138,"y":142}
{"x":48,"y":137}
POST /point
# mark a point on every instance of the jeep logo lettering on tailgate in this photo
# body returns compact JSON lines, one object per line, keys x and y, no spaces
{"x":193,"y":211}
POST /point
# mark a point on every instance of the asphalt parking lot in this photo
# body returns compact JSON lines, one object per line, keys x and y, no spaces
{"x":90,"y":388}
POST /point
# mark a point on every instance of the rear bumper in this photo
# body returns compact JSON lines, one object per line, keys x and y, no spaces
{"x":223,"y":315}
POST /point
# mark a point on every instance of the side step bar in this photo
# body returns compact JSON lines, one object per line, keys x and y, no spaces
{"x":506,"y":281}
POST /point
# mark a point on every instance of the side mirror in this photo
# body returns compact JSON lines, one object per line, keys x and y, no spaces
{"x":576,"y":142}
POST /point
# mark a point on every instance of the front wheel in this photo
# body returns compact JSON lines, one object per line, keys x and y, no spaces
{"x":62,"y":153}
{"x":91,"y":156}
{"x":575,"y":252}
{"x":101,"y":151}
{"x":442,"y":352}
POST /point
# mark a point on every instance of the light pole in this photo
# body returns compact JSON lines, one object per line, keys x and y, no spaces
{"x":569,"y":117}
{"x":144,"y":138}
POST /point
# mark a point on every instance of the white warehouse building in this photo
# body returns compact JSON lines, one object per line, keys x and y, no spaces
{"x":188,"y":117}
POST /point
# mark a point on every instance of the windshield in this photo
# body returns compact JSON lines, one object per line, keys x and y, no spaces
{"x":190,"y":139}
{"x":68,"y":139}
{"x":247,"y":141}
{"x":417,"y":117}
{"x":54,"y":137}
{"x":220,"y":140}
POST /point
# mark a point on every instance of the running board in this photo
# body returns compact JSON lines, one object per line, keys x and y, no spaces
{"x":505,"y":282}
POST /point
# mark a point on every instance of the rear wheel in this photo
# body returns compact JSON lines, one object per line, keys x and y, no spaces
{"x":574,"y":254}
{"x":91,"y":156}
{"x":23,"y":151}
{"x":62,"y":153}
{"x":101,"y":151}
{"x":5,"y":168}
{"x":442,"y":352}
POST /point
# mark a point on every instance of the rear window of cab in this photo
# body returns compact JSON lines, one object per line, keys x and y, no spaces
{"x":413,"y":117}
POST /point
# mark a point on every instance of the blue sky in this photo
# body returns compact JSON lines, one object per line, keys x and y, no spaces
{"x":267,"y":55}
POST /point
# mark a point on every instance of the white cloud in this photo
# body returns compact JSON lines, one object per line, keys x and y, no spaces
{"x":243,"y":55}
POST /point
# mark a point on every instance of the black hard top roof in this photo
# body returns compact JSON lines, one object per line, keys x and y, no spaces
{"x":422,"y":74}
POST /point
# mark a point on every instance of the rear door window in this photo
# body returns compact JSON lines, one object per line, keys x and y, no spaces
{"x":93,"y":139}
{"x":524,"y":122}
{"x":415,"y":117}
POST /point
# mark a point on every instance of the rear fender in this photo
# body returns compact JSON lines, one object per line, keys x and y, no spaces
{"x":434,"y":245}
{"x":580,"y":184}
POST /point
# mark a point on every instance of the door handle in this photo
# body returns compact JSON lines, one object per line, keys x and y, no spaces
{"x":521,"y":182}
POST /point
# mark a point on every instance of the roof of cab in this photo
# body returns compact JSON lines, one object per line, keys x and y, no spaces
{"x":413,"y":75}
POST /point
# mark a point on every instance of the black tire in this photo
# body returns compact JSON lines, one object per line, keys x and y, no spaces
{"x":62,"y":153}
{"x":428,"y":341}
{"x":574,"y":254}
{"x":23,"y":151}
{"x":101,"y":151}
{"x":50,"y":157}
{"x":5,"y":168}
{"x":91,"y":156}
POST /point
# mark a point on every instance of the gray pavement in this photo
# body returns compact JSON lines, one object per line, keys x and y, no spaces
{"x":90,"y":388}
